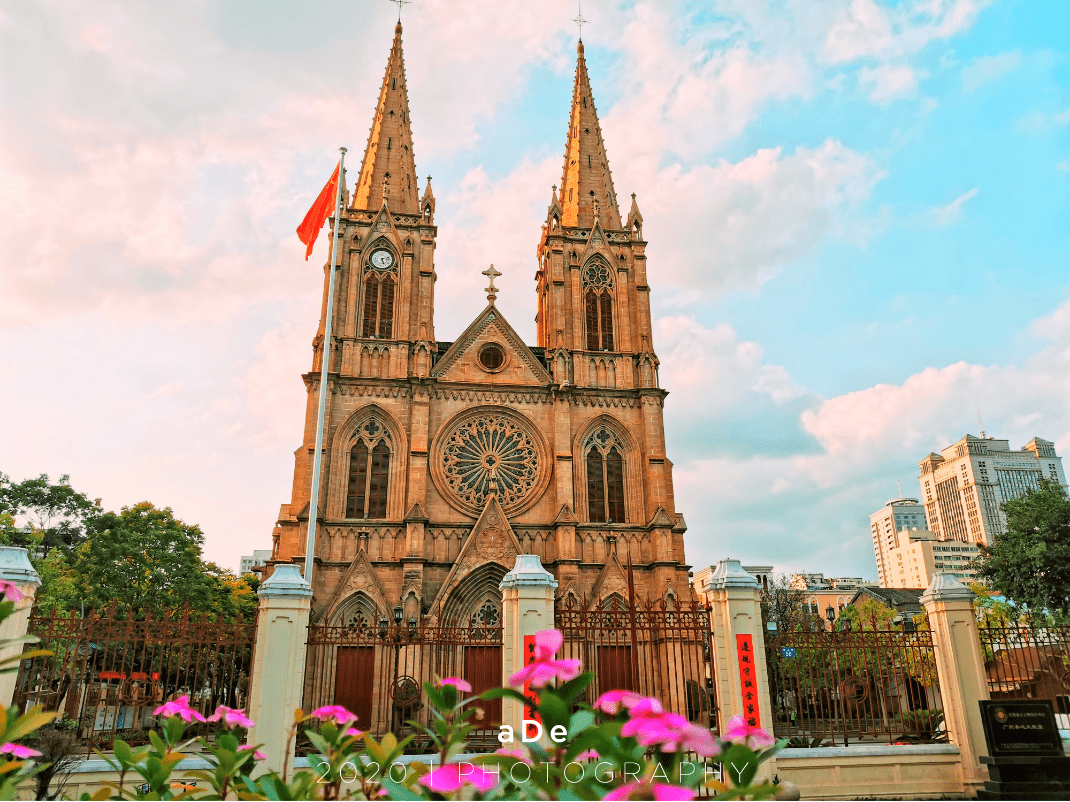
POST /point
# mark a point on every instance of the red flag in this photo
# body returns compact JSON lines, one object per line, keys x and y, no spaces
{"x":318,"y":214}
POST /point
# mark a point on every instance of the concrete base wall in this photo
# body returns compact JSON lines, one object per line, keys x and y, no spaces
{"x":873,"y":772}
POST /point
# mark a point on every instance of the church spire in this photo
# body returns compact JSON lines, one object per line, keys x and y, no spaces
{"x":586,"y":181}
{"x":389,"y":168}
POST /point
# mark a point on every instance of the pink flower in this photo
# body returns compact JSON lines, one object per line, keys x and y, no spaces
{"x":519,"y":753}
{"x":544,"y":668}
{"x":336,"y":713}
{"x":453,"y":776}
{"x":11,"y":591}
{"x":644,"y":790}
{"x":590,"y":754}
{"x":739,"y":731}
{"x":457,"y":683}
{"x":258,"y":755}
{"x":612,"y":701}
{"x":19,"y":751}
{"x":179,"y":707}
{"x":231,"y":717}
{"x":650,"y":725}
{"x":353,"y":732}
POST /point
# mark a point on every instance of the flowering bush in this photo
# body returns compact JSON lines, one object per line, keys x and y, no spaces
{"x":623,"y":746}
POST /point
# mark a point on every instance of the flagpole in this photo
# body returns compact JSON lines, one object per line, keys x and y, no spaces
{"x":317,"y":460}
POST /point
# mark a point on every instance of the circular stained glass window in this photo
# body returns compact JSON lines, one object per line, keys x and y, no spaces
{"x":492,"y":357}
{"x":490,"y":449}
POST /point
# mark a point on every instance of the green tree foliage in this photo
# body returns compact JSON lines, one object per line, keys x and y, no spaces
{"x":783,"y":604}
{"x":145,"y":560}
{"x":1030,"y":562}
{"x":61,"y":513}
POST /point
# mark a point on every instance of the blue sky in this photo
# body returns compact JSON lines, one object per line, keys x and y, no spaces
{"x":856,"y":212}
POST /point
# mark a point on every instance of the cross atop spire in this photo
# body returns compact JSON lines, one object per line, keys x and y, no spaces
{"x":492,"y":291}
{"x":399,"y":4}
{"x":388,"y":157}
{"x":578,"y":19}
{"x":586,"y":178}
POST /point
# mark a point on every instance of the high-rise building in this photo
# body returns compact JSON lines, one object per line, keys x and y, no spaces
{"x":965,"y":485}
{"x":886,"y":524}
{"x":920,"y":554}
{"x":443,"y":460}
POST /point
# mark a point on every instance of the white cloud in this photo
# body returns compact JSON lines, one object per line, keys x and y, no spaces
{"x":981,"y":70}
{"x":890,"y":82}
{"x":865,"y":28}
{"x":952,"y":212}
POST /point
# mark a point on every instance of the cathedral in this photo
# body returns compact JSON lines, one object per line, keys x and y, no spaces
{"x":443,"y":460}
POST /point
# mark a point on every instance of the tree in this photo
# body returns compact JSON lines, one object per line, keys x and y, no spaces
{"x":146,"y":560}
{"x":783,"y":604}
{"x":1030,"y":562}
{"x":61,"y":513}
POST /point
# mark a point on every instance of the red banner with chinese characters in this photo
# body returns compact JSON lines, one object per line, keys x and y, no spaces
{"x":748,"y":679}
{"x":529,"y":712}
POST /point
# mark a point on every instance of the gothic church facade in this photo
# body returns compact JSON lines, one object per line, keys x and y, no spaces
{"x":444,"y":460}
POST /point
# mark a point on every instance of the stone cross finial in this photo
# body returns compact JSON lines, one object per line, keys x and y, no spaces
{"x":399,"y":4}
{"x":492,"y":291}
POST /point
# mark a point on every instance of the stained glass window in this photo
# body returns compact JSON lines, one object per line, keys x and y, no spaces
{"x":369,"y":472}
{"x":605,"y":477}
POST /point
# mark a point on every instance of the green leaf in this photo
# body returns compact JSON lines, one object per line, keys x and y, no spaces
{"x":397,"y":791}
{"x":581,"y":720}
{"x":504,"y":693}
{"x":572,"y":689}
{"x":553,"y":710}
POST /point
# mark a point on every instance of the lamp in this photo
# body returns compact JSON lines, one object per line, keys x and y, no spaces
{"x":830,"y":613}
{"x":398,"y":614}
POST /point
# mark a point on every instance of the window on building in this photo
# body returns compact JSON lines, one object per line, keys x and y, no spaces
{"x":378,"y":306}
{"x":598,"y":305}
{"x":369,"y":472}
{"x":604,"y":456}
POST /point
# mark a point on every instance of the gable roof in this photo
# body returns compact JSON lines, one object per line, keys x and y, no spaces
{"x":897,"y":598}
{"x":521,"y":365}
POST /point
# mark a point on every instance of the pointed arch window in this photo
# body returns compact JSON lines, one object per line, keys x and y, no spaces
{"x":378,"y":305}
{"x":369,"y":472}
{"x":604,"y":457}
{"x":598,"y":305}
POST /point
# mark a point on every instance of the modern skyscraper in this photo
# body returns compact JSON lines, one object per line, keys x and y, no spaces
{"x":964,"y":486}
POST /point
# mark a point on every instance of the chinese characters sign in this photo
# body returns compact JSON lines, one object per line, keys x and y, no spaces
{"x":529,"y":711}
{"x":748,"y":679}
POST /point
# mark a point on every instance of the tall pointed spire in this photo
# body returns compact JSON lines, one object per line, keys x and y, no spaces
{"x":586,"y":178}
{"x":389,"y":168}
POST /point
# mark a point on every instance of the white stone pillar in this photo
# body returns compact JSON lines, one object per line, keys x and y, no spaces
{"x":527,"y":608}
{"x":15,"y":568}
{"x":961,"y":670}
{"x":279,"y":662}
{"x":735,"y":598}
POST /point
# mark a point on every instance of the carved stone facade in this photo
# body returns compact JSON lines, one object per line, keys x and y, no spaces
{"x":444,"y":460}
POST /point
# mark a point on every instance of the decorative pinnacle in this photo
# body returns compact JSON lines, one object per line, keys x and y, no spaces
{"x":492,"y":291}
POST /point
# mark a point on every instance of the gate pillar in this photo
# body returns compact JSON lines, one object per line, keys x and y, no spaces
{"x":15,"y":568}
{"x":961,"y":671}
{"x":527,"y":608}
{"x":735,"y":598}
{"x":278,"y":671}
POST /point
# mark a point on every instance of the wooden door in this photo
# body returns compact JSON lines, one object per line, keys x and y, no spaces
{"x":354,"y":686}
{"x":614,"y":669}
{"x":483,"y":671}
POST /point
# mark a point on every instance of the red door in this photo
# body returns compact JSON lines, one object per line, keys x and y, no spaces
{"x":614,"y":669}
{"x":483,"y":671}
{"x":355,"y":682}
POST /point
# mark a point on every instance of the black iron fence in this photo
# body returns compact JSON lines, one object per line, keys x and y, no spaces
{"x":378,"y":671}
{"x":1025,"y":661}
{"x":109,"y":672}
{"x":653,"y":648}
{"x":840,"y":687}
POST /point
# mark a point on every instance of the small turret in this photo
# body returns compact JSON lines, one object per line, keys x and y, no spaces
{"x":427,"y":204}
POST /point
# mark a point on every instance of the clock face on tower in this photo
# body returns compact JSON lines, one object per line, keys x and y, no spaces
{"x":382,"y":259}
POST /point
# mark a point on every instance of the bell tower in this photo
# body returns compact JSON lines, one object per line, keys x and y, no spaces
{"x":383,"y":323}
{"x":594,"y":300}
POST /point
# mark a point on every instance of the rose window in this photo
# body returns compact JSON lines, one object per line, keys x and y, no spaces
{"x":596,"y":275}
{"x":488,"y":615}
{"x":486,"y":449}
